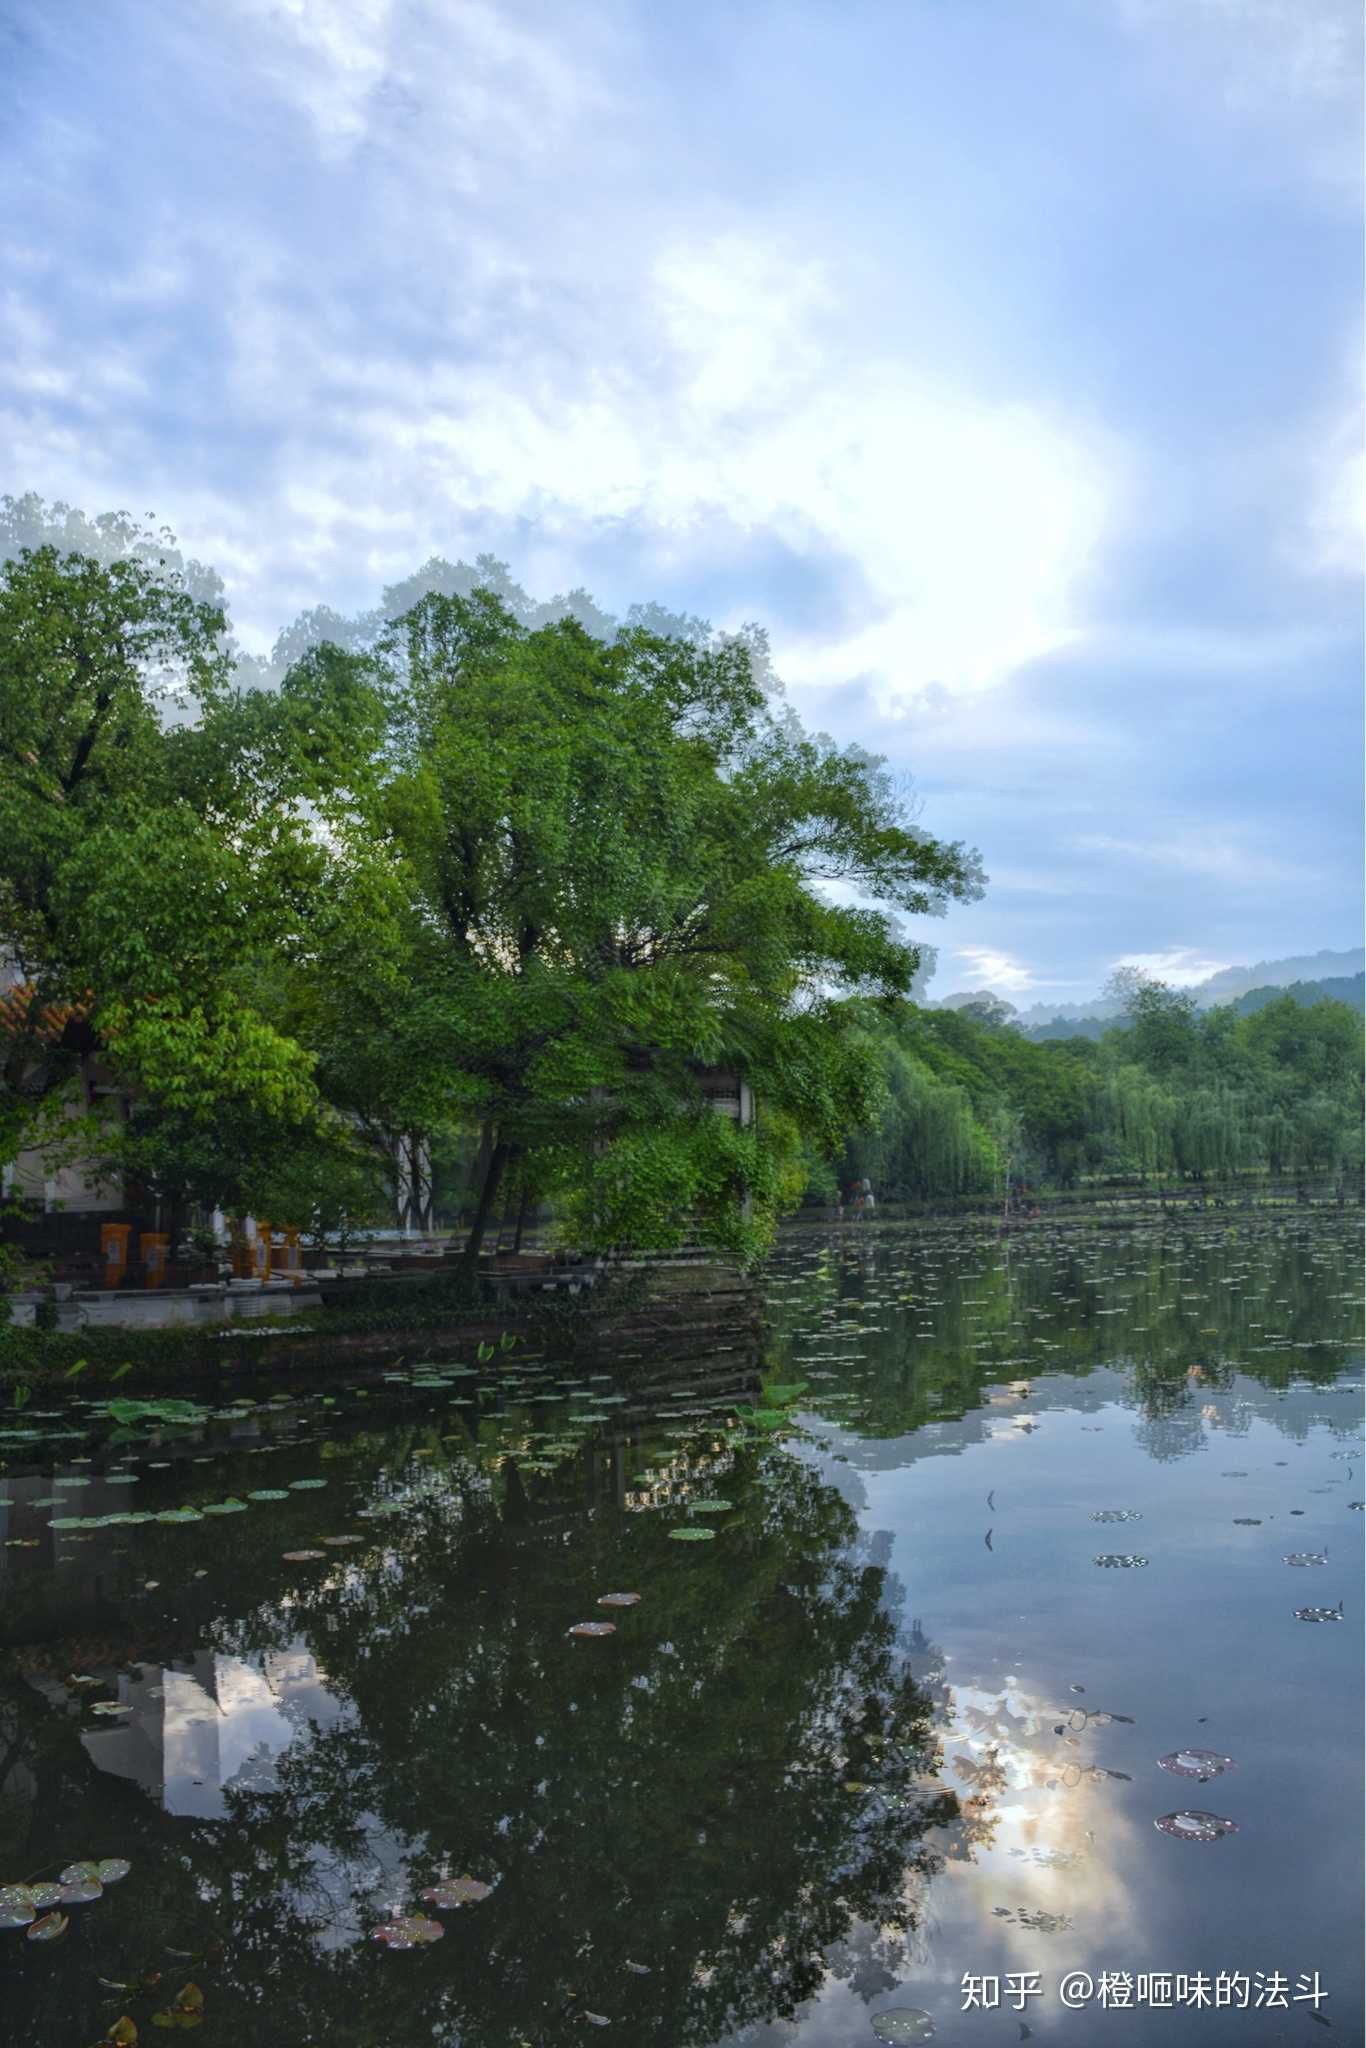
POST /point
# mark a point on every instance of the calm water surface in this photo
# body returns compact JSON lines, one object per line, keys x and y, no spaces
{"x":883,"y":1721}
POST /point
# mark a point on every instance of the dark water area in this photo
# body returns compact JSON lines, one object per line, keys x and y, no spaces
{"x":997,"y":1558}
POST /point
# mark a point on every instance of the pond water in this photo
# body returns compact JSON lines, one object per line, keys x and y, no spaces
{"x":1023,"y":1556}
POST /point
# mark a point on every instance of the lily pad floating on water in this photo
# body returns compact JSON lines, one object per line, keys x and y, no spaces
{"x":305,"y":1485}
{"x":712,"y":1507}
{"x":44,"y":1895}
{"x":51,"y":1927}
{"x":618,"y":1599}
{"x":112,"y":1869}
{"x":268,"y":1493}
{"x":692,"y":1535}
{"x":1117,"y":1515}
{"x":412,"y":1930}
{"x":340,"y":1540}
{"x":457,"y":1891}
{"x":1318,"y":1614}
{"x":904,"y":2023}
{"x":17,"y":1908}
{"x":1303,"y":1557}
{"x":1196,"y":1763}
{"x":113,"y":1706}
{"x":126,"y":1411}
{"x":1190,"y":1826}
{"x":302,"y":1556}
{"x":592,"y":1628}
{"x":81,"y":1891}
{"x":1120,"y":1561}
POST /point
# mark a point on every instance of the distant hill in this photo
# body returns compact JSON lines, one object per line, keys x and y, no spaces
{"x":1233,"y":982}
{"x":1338,"y":988}
{"x":1326,"y":973}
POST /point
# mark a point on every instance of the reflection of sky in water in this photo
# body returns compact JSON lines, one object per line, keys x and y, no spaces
{"x":1200,"y":1649}
{"x":192,"y":1734}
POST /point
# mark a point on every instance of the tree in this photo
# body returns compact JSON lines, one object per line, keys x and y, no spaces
{"x":163,"y":842}
{"x":606,"y":869}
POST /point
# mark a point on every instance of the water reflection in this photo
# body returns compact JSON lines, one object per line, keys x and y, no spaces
{"x":773,"y":1802}
{"x":191,"y":1736}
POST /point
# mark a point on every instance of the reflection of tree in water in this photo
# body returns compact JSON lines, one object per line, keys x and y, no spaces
{"x":727,"y":1790}
{"x":1181,"y":1310}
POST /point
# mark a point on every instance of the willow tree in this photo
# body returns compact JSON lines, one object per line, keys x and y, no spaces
{"x":605,"y":870}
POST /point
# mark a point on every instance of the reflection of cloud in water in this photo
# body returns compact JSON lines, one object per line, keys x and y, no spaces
{"x":1000,"y":1750}
{"x":192,"y":1734}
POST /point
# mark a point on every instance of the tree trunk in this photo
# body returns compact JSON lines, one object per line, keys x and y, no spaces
{"x":488,"y":1194}
{"x":522,"y":1208}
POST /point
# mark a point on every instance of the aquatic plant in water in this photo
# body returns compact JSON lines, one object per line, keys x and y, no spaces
{"x":412,"y":1930}
{"x":1192,"y":1826}
{"x":1196,"y":1763}
{"x":904,"y":2023}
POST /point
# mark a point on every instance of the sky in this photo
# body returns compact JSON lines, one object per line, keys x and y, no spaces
{"x":1001,"y":357}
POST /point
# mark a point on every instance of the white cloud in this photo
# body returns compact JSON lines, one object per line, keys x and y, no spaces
{"x":723,"y":393}
{"x":1206,"y":852}
{"x":1287,"y":65}
{"x":1333,"y":541}
{"x":999,"y":971}
{"x":325,"y":56}
{"x":1182,"y":966}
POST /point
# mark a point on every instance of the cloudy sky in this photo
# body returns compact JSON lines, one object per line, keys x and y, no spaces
{"x":1001,"y":356}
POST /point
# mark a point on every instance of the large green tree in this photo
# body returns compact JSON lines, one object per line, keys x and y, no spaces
{"x":604,"y":874}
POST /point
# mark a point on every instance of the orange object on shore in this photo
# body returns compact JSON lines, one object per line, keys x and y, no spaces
{"x":114,"y":1251}
{"x":154,"y":1248}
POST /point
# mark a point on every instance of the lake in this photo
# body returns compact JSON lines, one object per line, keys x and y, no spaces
{"x":897,"y":1690}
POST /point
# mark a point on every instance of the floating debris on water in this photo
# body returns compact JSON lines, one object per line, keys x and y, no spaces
{"x":1117,"y":1515}
{"x":1318,"y":1614}
{"x":1303,"y":1557}
{"x":1120,"y":1561}
{"x":1190,"y":1826}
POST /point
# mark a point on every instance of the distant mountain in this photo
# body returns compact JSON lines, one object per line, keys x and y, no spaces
{"x":1337,"y":988}
{"x":1325,"y":973}
{"x":1233,"y":982}
{"x":1308,"y":977}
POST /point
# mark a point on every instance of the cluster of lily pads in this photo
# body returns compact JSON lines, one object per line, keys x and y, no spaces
{"x":419,"y":1930}
{"x":35,"y":1905}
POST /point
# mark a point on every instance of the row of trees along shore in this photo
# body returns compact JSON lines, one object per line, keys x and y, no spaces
{"x":967,"y":1104}
{"x":449,"y":870}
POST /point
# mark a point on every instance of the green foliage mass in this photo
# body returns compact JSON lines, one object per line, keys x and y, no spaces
{"x":1166,"y":1091}
{"x":464,"y":872}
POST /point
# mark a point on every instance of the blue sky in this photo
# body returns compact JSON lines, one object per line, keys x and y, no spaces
{"x":1002,"y":357}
